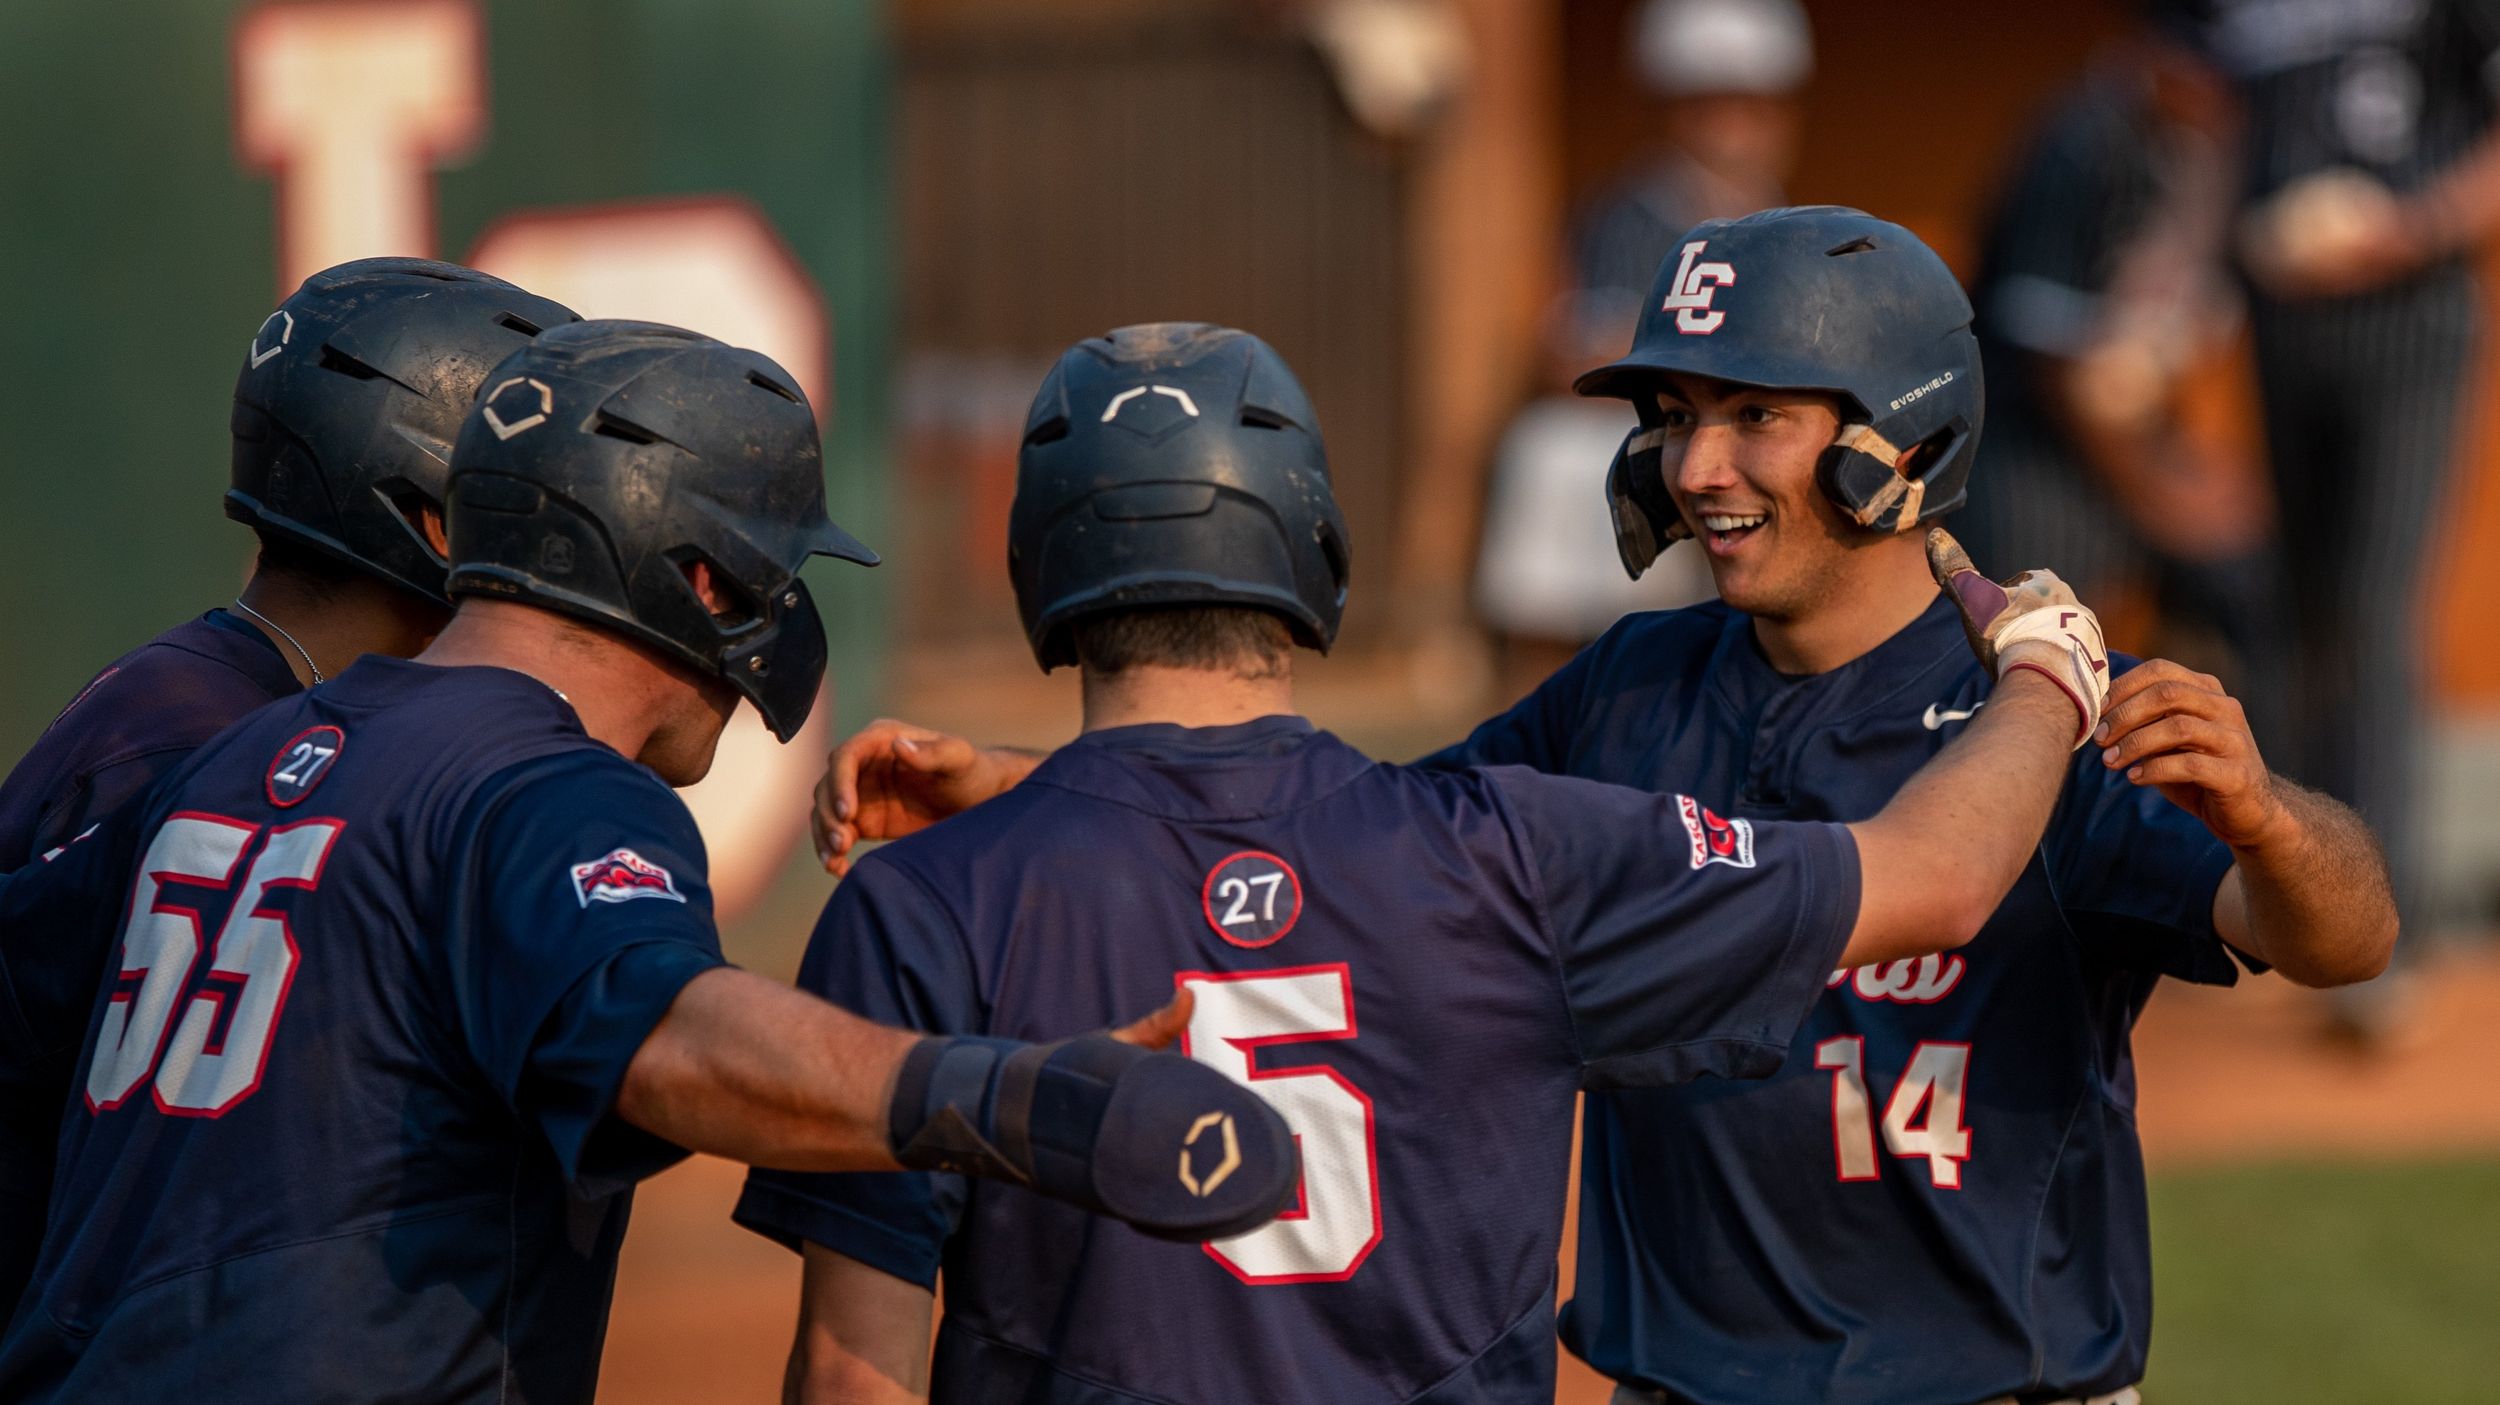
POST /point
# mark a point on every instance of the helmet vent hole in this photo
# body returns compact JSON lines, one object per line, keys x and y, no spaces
{"x":732,"y":606}
{"x":1863,"y":244}
{"x":1049,"y":431}
{"x":614,"y":428}
{"x":332,"y":359}
{"x":1257,"y":418}
{"x":512,"y":323}
{"x":764,"y":382}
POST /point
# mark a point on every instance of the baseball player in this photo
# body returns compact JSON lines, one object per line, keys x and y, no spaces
{"x":380,"y":1002}
{"x":1937,"y":1198}
{"x":1419,"y":968}
{"x":343,"y":419}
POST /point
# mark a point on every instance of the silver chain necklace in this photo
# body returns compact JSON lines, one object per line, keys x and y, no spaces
{"x":301,"y":651}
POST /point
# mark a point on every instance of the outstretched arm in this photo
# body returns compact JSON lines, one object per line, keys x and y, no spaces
{"x":749,"y":1069}
{"x":1937,"y":860}
{"x":2308,"y":893}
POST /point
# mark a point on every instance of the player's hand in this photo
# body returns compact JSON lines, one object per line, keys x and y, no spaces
{"x":2031,"y":620}
{"x":893,"y":778}
{"x":1159,"y":1030}
{"x":2176,"y":730}
{"x":2329,"y":235}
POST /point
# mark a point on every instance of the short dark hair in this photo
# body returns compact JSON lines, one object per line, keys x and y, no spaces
{"x":308,"y":568}
{"x":1252,"y":643}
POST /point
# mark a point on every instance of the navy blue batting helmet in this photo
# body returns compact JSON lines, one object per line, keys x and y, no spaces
{"x":1173,"y":463}
{"x":349,"y":398}
{"x":606,"y":457}
{"x":1813,"y":297}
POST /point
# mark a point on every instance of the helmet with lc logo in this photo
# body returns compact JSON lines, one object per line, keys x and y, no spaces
{"x":1811,"y":297}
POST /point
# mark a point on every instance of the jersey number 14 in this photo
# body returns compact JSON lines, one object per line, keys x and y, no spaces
{"x":210,"y":1058}
{"x":1933,"y":1081}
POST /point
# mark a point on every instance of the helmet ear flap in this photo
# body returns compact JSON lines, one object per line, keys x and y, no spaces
{"x":1882,"y":487}
{"x":1645,"y":517}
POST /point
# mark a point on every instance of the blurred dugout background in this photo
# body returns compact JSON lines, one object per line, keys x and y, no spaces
{"x":915,"y":205}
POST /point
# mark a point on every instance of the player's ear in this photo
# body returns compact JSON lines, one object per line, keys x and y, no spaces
{"x":430,"y":526}
{"x":698,"y":574}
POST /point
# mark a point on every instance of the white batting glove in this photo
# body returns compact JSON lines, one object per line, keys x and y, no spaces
{"x":2031,"y":620}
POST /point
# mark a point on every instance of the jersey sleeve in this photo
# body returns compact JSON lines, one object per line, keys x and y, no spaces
{"x":1687,"y":944}
{"x":58,"y":922}
{"x":885,"y":950}
{"x":2136,"y":875}
{"x":1536,"y":732}
{"x":588,"y":914}
{"x":57,"y":928}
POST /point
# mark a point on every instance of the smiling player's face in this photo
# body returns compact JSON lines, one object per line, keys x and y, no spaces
{"x":1739,"y":462}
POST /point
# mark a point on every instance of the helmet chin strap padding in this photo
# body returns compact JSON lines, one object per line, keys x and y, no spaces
{"x":1906,"y":492}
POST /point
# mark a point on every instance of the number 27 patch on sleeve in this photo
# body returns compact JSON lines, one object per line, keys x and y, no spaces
{"x":622,"y":877}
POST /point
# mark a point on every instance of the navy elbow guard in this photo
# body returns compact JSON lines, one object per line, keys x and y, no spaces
{"x":1167,"y":1144}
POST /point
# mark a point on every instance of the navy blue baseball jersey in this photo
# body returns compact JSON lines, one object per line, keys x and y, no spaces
{"x":133,"y":722}
{"x":344,"y":1001}
{"x":1417,"y":969}
{"x":1938,"y":1197}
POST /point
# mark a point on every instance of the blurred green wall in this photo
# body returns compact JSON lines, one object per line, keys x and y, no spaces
{"x":137,"y":256}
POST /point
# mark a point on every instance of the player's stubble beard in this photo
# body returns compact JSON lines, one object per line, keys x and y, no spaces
{"x":1801,"y":563}
{"x":681,"y":748}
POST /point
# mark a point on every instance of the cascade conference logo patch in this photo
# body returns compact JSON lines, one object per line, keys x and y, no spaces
{"x":1715,"y":840}
{"x":622,"y":877}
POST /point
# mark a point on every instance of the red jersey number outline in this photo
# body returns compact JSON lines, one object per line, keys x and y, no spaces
{"x":1249,"y":1046}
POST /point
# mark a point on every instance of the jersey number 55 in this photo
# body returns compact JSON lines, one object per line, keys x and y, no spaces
{"x":213,"y":1056}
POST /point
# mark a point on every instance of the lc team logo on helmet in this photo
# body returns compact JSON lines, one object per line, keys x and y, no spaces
{"x":622,"y":877}
{"x":1695,"y":287}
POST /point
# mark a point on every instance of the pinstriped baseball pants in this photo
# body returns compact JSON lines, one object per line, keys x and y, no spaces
{"x":2362,"y":402}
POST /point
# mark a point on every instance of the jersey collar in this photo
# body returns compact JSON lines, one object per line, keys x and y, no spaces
{"x":1251,"y":769}
{"x":1924,"y":653}
{"x":378,"y":680}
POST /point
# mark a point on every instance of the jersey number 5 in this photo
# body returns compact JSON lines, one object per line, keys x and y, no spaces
{"x":211,"y":1059}
{"x":1327,"y":1236}
{"x":1934,"y":1080}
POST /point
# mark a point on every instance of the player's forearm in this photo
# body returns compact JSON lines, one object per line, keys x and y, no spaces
{"x":2460,"y":209}
{"x":2311,"y":898}
{"x":1938,"y":859}
{"x":757,"y":1072}
{"x":863,"y":1336}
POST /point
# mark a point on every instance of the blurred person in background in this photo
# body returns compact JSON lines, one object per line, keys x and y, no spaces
{"x":2372,"y":179}
{"x":1727,"y":73}
{"x":1546,"y":578}
{"x":2102,"y":285}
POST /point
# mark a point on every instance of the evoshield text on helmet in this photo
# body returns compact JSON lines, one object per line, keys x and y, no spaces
{"x":608,"y":457}
{"x":1173,"y":463}
{"x":349,"y":399}
{"x":1821,"y":298}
